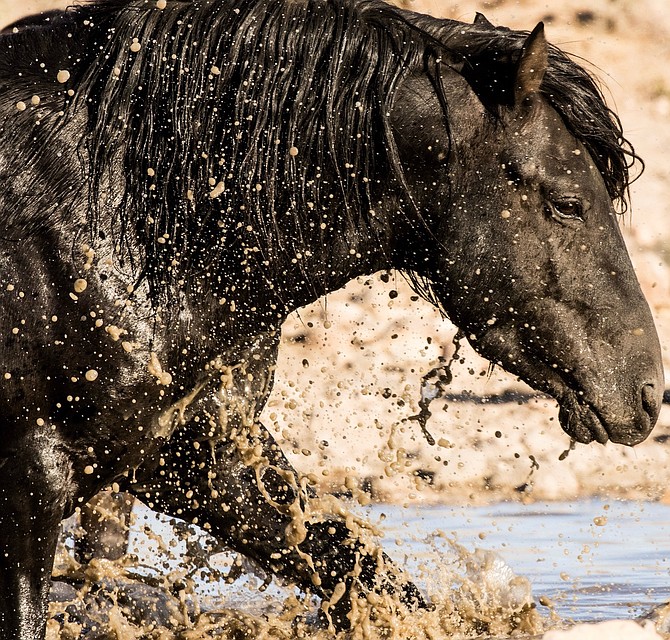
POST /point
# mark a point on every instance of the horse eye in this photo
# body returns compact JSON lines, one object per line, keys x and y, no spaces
{"x":566,"y":209}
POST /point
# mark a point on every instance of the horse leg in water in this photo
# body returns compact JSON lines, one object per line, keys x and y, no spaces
{"x":225,"y":469}
{"x":34,"y":492}
{"x":246,"y":491}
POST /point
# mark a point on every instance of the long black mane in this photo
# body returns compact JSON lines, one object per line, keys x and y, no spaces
{"x":232,"y":114}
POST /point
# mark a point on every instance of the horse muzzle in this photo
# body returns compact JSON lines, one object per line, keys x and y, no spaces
{"x":606,"y":390}
{"x":619,"y":419}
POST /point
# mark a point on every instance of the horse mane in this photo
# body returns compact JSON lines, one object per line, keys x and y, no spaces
{"x":247,"y":115}
{"x":234,"y":117}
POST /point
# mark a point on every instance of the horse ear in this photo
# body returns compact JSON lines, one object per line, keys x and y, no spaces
{"x":482,"y":21}
{"x":532,"y":65}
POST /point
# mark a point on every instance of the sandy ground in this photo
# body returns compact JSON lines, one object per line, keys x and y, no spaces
{"x":351,"y":365}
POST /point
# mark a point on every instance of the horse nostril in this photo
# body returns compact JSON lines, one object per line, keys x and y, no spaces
{"x":650,"y":401}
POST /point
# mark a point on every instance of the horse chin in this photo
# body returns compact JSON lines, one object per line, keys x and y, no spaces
{"x":582,"y":414}
{"x":580,"y":419}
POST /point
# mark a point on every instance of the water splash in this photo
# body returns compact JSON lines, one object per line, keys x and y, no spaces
{"x":473,"y":593}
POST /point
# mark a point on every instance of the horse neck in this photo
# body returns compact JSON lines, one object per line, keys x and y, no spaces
{"x":353,"y":254}
{"x":35,"y":49}
{"x":330,"y":258}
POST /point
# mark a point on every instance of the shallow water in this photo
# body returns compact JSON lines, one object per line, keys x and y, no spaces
{"x":617,"y":568}
{"x":594,"y":560}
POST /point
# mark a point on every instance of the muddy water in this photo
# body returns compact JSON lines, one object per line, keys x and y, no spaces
{"x":582,"y":561}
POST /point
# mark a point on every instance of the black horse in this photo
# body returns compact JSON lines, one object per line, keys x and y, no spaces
{"x":179,"y":176}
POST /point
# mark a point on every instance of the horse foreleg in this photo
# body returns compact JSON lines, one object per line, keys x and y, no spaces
{"x":248,"y":495}
{"x":34,"y":488}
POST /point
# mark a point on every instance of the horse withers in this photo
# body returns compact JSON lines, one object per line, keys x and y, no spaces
{"x":177,"y":177}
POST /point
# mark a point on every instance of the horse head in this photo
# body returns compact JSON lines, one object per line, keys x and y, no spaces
{"x":526,"y":255}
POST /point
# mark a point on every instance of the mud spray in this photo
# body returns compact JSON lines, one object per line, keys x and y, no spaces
{"x":471,"y":594}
